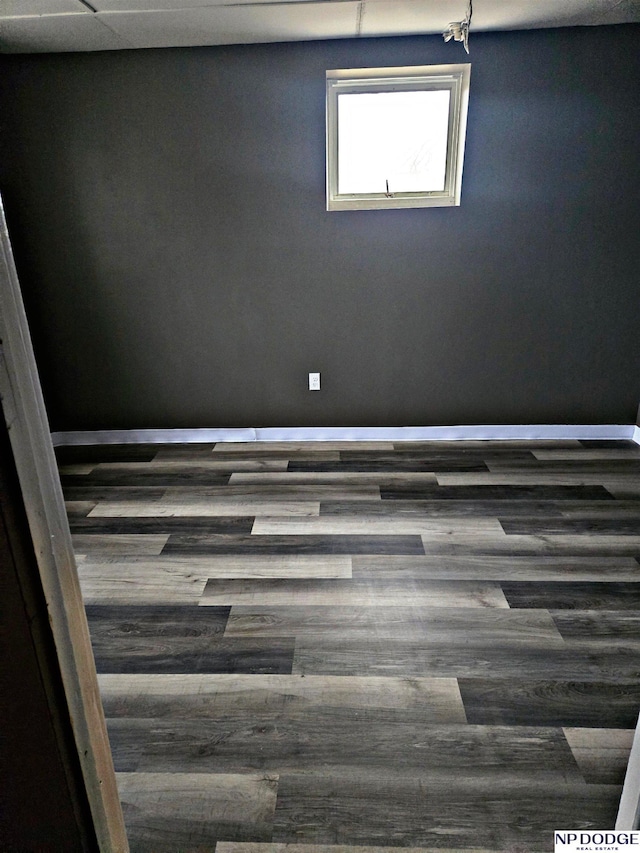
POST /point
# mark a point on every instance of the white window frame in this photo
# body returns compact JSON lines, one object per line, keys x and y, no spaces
{"x":455,"y":78}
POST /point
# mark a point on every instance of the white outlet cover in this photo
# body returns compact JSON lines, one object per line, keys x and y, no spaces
{"x":314,"y":382}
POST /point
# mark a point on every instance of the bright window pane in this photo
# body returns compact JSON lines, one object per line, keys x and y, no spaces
{"x":394,"y":137}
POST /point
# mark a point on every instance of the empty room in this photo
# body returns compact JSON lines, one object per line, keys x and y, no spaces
{"x":330,"y":468}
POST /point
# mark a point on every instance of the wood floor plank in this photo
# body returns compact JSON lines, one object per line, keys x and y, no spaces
{"x":214,"y":696}
{"x":513,"y":493}
{"x":612,"y":666}
{"x":169,"y":812}
{"x":274,"y":493}
{"x":450,"y":456}
{"x":79,"y":454}
{"x":98,"y":494}
{"x":78,"y":509}
{"x":146,"y":582}
{"x":135,"y":638}
{"x":554,"y":526}
{"x":148,"y":591}
{"x":610,"y":510}
{"x":601,"y":754}
{"x":609,"y":625}
{"x":452,"y":509}
{"x":627,"y":491}
{"x":599,"y":738}
{"x":81,"y":468}
{"x":599,"y":453}
{"x":200,"y":569}
{"x":591,"y":443}
{"x":396,"y":464}
{"x":166,"y":524}
{"x":602,"y":766}
{"x":518,"y":701}
{"x":352,"y":593}
{"x":146,"y":476}
{"x":529,"y":545}
{"x":501,"y":567}
{"x":529,"y":444}
{"x":184,"y":452}
{"x":206,"y":507}
{"x":430,"y":625}
{"x":315,"y":453}
{"x":574,"y":595}
{"x":112,"y":624}
{"x":364,"y":525}
{"x":188,"y":655}
{"x":383,"y":743}
{"x":388,"y":479}
{"x":166,"y":464}
{"x":257,"y":447}
{"x":257,"y":847}
{"x":133,"y":543}
{"x":276,"y":566}
{"x":367,"y":810}
{"x":288,"y":545}
{"x":620,"y":480}
{"x":575,"y":465}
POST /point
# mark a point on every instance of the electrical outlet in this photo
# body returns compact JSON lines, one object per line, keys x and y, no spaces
{"x":314,"y":382}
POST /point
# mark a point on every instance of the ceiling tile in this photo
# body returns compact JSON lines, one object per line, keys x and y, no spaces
{"x":183,"y":5}
{"x":16,"y":8}
{"x":624,"y":12}
{"x":56,"y":33}
{"x":387,"y":17}
{"x":234,"y":25}
{"x":407,"y":17}
{"x":524,"y":14}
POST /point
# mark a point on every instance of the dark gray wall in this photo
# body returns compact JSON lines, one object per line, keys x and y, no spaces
{"x":168,"y":217}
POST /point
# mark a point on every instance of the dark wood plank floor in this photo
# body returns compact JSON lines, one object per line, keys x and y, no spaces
{"x":342,"y":648}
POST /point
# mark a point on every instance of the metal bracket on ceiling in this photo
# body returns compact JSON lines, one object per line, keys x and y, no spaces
{"x":459,"y":30}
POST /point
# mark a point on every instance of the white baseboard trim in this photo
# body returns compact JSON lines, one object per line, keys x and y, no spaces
{"x":152,"y":436}
{"x":466,"y":432}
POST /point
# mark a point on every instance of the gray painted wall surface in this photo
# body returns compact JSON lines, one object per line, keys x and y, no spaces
{"x":179,"y":267}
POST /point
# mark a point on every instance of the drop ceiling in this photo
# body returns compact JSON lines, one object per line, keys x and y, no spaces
{"x":37,"y":26}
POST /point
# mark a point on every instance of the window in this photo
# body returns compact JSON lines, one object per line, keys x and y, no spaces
{"x":395,"y":136}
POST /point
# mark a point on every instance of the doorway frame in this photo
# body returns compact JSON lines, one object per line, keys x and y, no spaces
{"x":30,"y":436}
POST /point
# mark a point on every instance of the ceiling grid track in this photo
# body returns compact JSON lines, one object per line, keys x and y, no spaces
{"x":360,"y":19}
